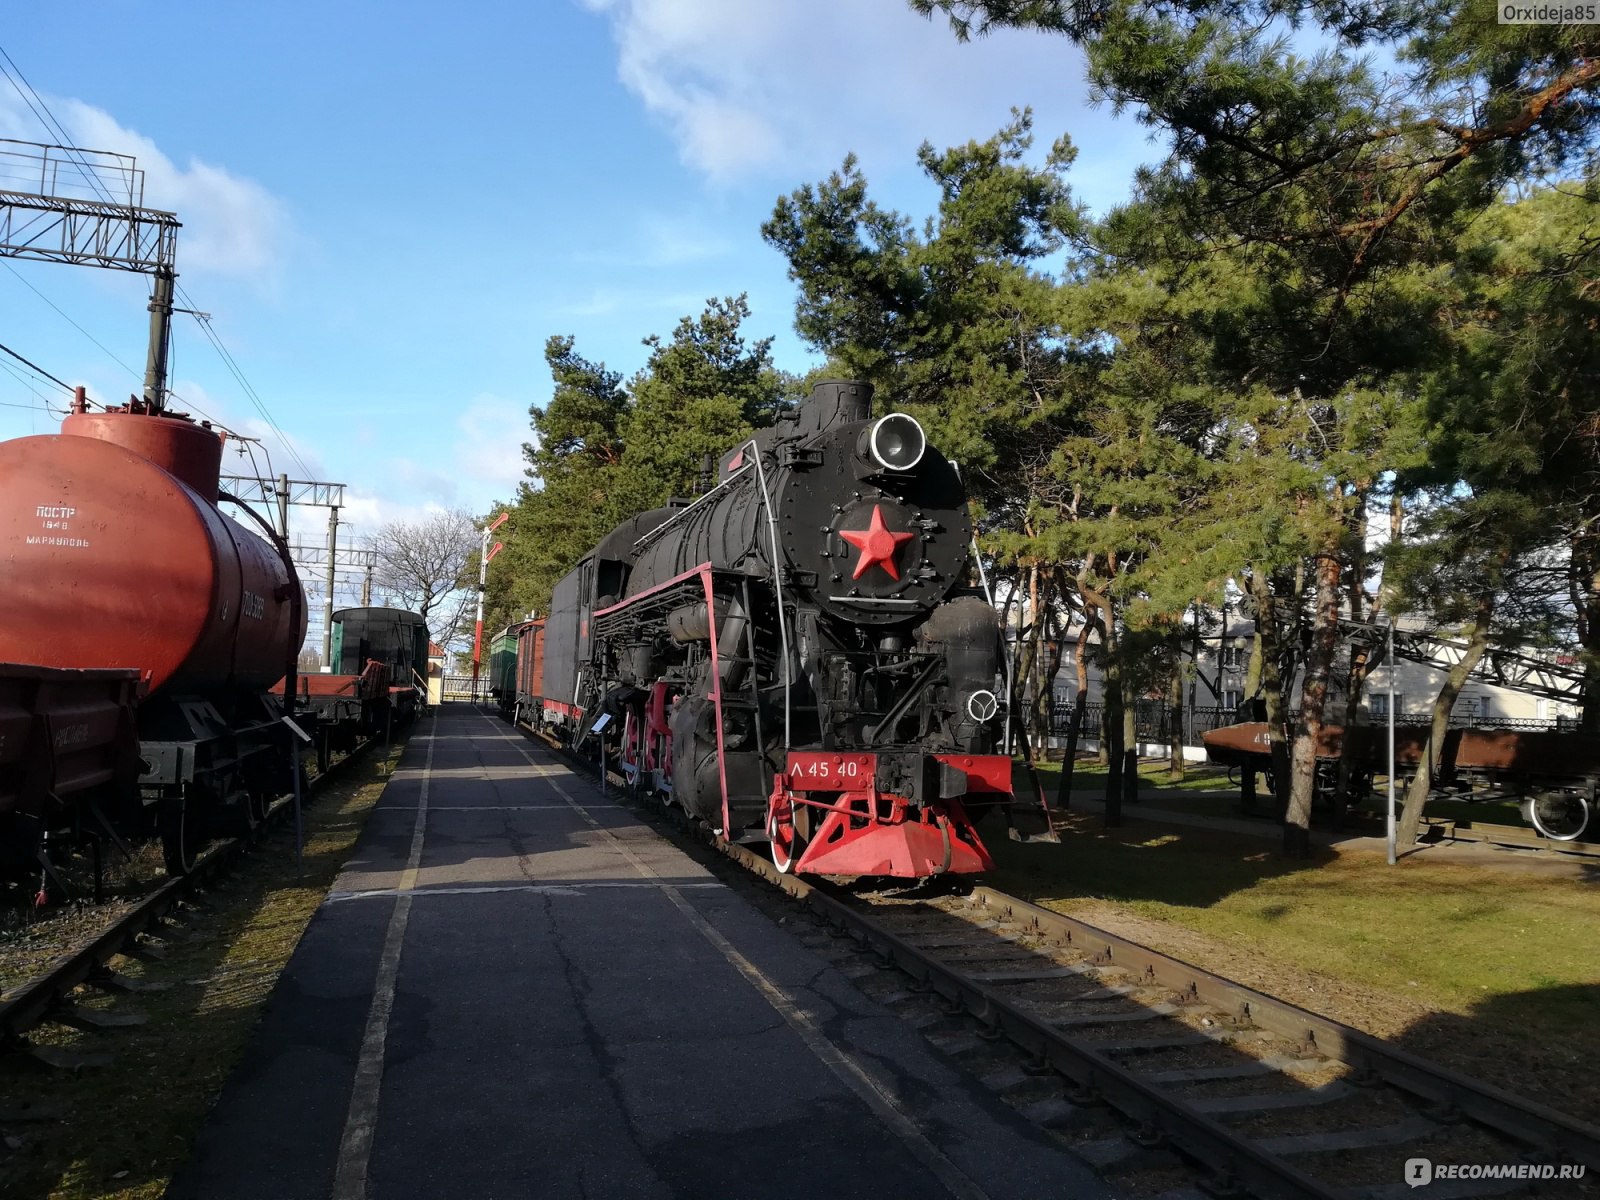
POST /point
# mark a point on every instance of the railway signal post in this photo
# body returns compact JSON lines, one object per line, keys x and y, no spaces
{"x":485,"y":554}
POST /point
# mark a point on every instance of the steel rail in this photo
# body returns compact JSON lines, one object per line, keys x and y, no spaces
{"x":1467,"y":830}
{"x":23,"y":1007}
{"x":1523,"y":1119}
{"x":1235,"y":1160}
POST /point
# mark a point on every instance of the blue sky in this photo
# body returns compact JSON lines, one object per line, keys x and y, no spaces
{"x":389,"y":207}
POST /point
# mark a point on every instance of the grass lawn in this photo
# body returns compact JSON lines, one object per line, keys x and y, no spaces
{"x":1438,"y":951}
{"x":118,"y":1131}
{"x":1088,"y":776}
{"x":1089,"y":780}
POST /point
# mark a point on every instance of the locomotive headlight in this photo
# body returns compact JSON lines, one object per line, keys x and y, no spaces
{"x":895,"y":442}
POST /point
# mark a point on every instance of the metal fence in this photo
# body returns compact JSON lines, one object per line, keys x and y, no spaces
{"x":1155,"y":721}
{"x":459,"y":687}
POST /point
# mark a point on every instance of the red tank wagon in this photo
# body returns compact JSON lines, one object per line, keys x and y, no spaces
{"x":116,"y":556}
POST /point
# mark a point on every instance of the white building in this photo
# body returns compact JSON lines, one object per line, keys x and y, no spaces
{"x":1526,"y":686}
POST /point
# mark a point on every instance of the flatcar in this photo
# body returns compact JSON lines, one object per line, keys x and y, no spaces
{"x":797,"y":656}
{"x":371,"y":686}
{"x":118,"y":558}
{"x":1555,"y":776}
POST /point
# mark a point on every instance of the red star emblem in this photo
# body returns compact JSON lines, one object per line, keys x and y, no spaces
{"x":877,"y":545}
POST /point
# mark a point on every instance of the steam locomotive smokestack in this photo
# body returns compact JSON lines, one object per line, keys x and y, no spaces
{"x":835,"y":402}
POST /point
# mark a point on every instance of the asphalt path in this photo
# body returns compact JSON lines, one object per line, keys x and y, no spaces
{"x":516,"y":989}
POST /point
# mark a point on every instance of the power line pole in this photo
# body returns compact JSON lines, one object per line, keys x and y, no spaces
{"x":283,"y":506}
{"x":110,"y":227}
{"x":327,"y":610}
{"x":283,"y":492}
{"x":155,"y":360}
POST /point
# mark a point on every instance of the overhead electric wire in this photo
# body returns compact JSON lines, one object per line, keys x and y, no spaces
{"x":42,"y":405}
{"x":56,"y":129}
{"x":255,"y":398}
{"x":52,"y":126}
{"x":70,"y":321}
{"x":34,"y":367}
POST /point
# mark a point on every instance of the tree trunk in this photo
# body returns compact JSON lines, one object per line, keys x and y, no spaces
{"x":1049,"y":667}
{"x":1130,"y":758}
{"x":1584,"y":583}
{"x":1175,"y":739}
{"x":1069,"y":755}
{"x":1112,"y":744}
{"x":1036,"y":629}
{"x":1410,"y":822}
{"x":1115,"y":743}
{"x":1354,"y":746}
{"x":1253,"y":672}
{"x":1313,"y":700}
{"x":1269,"y":653}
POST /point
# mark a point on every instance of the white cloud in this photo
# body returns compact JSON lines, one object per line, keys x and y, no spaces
{"x":661,"y":240}
{"x":786,"y":85}
{"x":257,"y":449}
{"x":232,"y":226}
{"x":489,"y":452}
{"x":478,"y":463}
{"x":604,"y":301}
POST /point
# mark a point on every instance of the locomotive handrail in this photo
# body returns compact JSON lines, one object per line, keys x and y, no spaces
{"x":777,"y":584}
{"x":646,"y":539}
{"x":683,"y":577}
{"x":296,"y":599}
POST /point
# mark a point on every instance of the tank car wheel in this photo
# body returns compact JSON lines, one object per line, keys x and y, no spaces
{"x":260,"y":804}
{"x":181,"y":834}
{"x":1559,"y":816}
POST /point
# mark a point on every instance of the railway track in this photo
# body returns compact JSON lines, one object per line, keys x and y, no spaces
{"x":1157,"y":1071}
{"x":49,"y":994}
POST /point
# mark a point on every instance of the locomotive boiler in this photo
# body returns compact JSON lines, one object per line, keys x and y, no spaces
{"x":115,"y":555}
{"x":796,"y":655}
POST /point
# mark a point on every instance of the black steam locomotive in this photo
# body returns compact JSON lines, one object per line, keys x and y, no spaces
{"x":796,"y":655}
